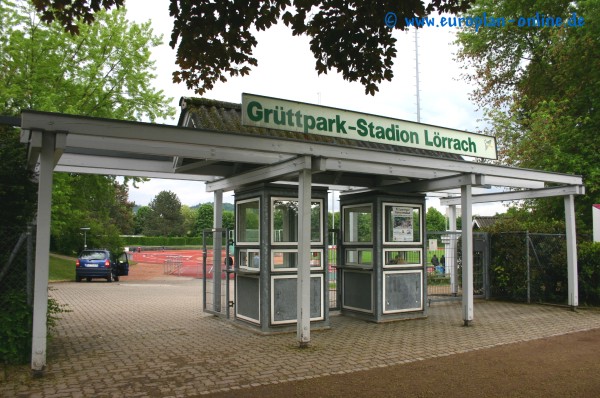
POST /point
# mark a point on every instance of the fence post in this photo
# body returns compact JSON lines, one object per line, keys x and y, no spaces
{"x":528,"y":267}
{"x":30,"y":265}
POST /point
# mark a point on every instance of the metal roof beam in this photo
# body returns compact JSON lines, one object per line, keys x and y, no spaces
{"x":438,"y":184}
{"x":519,"y":195}
{"x":268,"y":173}
{"x":131,"y":173}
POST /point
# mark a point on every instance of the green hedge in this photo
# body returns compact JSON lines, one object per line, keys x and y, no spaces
{"x":161,"y":241}
{"x":588,"y":259}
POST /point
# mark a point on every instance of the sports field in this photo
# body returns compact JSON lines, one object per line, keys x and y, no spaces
{"x":179,"y":262}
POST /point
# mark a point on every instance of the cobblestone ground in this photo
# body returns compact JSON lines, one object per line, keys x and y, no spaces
{"x":139,"y":338}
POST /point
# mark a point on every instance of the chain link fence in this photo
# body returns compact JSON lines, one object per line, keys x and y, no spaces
{"x":17,"y":248}
{"x":529,"y":267}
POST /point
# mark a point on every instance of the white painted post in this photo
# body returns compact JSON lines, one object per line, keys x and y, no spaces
{"x":467,"y":254}
{"x":303,"y":287}
{"x":42,"y":253}
{"x":451,"y":259}
{"x":596,"y":222}
{"x":217,"y":246}
{"x":571,"y":251}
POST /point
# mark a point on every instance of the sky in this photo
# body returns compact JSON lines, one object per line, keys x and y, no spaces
{"x":286,"y":70}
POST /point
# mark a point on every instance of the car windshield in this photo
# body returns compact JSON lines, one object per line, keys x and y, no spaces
{"x":96,"y":255}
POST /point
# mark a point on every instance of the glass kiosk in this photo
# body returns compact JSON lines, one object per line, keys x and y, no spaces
{"x":266,"y":250}
{"x":382,"y":251}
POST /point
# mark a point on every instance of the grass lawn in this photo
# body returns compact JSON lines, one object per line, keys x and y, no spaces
{"x":61,"y":269}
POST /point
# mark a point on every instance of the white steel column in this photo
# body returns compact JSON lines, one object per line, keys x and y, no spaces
{"x":42,"y":253}
{"x":217,"y":246}
{"x":451,"y":260}
{"x":467,"y":254}
{"x":571,"y":251}
{"x":303,"y":287}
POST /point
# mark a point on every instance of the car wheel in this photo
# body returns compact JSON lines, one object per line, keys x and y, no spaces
{"x":77,"y":279}
{"x":88,"y":279}
{"x":109,"y":278}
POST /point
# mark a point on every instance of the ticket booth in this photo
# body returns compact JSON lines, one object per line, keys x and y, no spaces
{"x":266,"y":249}
{"x":382,"y":263}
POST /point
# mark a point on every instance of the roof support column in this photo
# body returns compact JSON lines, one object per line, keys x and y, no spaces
{"x":303,"y":286}
{"x":571,"y":251}
{"x":451,"y":260}
{"x":217,"y":247}
{"x":42,"y":253}
{"x":467,"y":254}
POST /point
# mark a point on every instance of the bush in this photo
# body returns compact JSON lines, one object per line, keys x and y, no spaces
{"x":16,"y":320}
{"x":588,"y":258}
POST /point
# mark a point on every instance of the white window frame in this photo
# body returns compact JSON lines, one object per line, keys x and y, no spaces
{"x":290,"y":243}
{"x":406,"y":265}
{"x":246,"y":252}
{"x":370,"y":205}
{"x":357,"y":264}
{"x":420,"y":272}
{"x":385,"y":205}
{"x":238,"y":242}
{"x":274,"y":277}
{"x":312,"y":251}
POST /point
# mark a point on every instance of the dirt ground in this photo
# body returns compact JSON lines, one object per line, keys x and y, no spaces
{"x":563,"y":366}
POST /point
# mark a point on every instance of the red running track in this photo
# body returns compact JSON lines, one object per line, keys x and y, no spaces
{"x":191,"y":261}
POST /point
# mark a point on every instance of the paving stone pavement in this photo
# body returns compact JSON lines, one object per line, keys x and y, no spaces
{"x":151,"y":339}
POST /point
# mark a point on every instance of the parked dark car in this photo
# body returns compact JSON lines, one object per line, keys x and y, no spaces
{"x":101,"y":263}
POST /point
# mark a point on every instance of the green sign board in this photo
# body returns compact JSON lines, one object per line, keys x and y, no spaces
{"x":279,"y":114}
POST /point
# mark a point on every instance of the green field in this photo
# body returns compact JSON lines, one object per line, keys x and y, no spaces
{"x":61,"y":269}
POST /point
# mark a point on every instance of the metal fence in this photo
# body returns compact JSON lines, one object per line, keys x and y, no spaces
{"x":443,"y":259}
{"x":17,"y":248}
{"x":529,"y":267}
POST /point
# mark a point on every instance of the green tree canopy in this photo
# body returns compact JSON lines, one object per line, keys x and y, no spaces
{"x":348,"y":36}
{"x":435,"y":221}
{"x":204,"y":218}
{"x":165,"y":218}
{"x":104,"y":72}
{"x":540,"y":91}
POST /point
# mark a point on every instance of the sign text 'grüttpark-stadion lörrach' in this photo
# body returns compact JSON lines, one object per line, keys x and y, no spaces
{"x":274,"y":113}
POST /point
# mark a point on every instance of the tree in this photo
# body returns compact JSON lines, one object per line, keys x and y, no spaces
{"x":189,"y":219}
{"x":141,"y":219}
{"x":103,"y":72}
{"x":349,"y":36}
{"x":539,"y":90}
{"x":204,"y":218}
{"x":165,"y":218}
{"x":435,"y":221}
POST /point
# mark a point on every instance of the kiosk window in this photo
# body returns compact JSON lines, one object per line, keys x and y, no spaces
{"x":284,"y":221}
{"x":250,"y":259}
{"x":248,"y":216}
{"x":402,"y":223}
{"x":358,"y":224}
{"x":359,"y":257}
{"x":287,"y":259}
{"x":402,"y":257}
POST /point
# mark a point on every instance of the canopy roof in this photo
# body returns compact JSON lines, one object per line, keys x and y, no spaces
{"x":211,"y":145}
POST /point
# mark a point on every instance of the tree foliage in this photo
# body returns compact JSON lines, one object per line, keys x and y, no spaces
{"x":164,"y":218}
{"x":67,"y":13}
{"x":217,"y":38}
{"x":539,"y":88}
{"x":434,"y":220}
{"x":103,"y":72}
